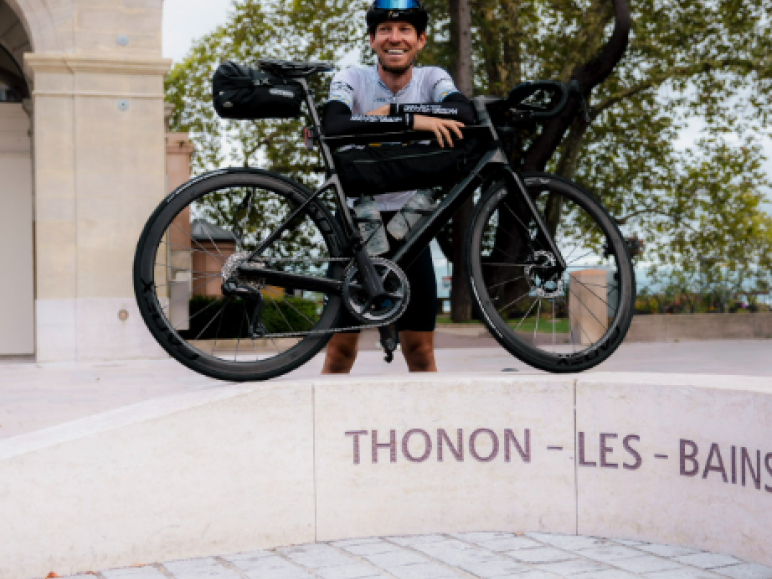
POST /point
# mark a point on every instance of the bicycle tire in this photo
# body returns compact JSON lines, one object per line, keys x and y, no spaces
{"x":204,"y":196}
{"x":583,"y":223}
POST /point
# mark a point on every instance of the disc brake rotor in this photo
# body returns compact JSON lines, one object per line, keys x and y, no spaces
{"x":542,"y":275}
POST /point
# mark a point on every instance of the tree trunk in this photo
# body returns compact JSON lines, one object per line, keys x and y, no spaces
{"x":461,"y":24}
{"x":589,"y":74}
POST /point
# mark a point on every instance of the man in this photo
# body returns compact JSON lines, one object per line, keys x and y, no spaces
{"x":385,"y":98}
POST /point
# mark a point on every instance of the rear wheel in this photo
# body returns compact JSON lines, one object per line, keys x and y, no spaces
{"x":558,"y":321}
{"x":196,"y":238}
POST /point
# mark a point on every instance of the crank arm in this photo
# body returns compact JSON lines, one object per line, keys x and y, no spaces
{"x":292,"y":280}
{"x":516,"y":185}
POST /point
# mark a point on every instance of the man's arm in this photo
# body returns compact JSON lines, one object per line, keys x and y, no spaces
{"x":338,"y":120}
{"x":455,"y":107}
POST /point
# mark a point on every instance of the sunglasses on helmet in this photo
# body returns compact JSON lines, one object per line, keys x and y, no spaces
{"x":396,"y":4}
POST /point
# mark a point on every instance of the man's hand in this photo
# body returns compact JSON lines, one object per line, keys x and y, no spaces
{"x":440,"y":127}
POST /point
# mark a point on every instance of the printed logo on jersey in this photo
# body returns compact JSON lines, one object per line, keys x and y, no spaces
{"x":443,"y":88}
{"x":342,"y":92}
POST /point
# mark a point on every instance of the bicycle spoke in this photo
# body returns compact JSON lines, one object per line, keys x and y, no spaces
{"x":593,"y":293}
{"x":219,"y":327}
{"x":525,"y":316}
{"x":201,"y":333}
{"x":214,"y":257}
{"x":506,"y":282}
{"x":514,"y":302}
{"x":605,"y":328}
{"x":538,"y":313}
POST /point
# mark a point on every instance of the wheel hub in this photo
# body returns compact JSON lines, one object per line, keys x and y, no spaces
{"x":543,"y":275}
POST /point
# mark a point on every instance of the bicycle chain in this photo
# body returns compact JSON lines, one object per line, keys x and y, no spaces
{"x":319,"y":332}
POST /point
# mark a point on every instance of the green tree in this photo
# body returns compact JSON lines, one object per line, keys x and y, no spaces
{"x":646,"y":68}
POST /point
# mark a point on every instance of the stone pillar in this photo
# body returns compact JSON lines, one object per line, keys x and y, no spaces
{"x":178,"y":278}
{"x":99,"y":173}
{"x":16,"y":234}
{"x":588,"y":306}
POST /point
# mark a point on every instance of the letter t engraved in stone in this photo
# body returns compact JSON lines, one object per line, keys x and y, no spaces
{"x":606,"y":450}
{"x":391,"y":445}
{"x":356,"y":434}
{"x":691,"y":457}
{"x":582,"y":460}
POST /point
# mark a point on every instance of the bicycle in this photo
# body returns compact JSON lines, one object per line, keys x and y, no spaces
{"x":241,"y":273}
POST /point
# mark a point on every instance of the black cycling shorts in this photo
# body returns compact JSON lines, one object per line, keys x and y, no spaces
{"x":421,"y":312}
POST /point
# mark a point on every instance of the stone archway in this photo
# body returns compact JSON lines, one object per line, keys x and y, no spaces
{"x":16,"y":191}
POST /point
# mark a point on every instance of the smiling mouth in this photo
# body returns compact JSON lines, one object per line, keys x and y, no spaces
{"x":396,"y":52}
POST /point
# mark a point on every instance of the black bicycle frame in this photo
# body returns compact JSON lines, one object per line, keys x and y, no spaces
{"x":493,"y":164}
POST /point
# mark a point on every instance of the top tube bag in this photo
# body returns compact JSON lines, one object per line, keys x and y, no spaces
{"x":391,"y":167}
{"x":244,"y":93}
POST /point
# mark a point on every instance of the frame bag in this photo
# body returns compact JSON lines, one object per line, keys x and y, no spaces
{"x":391,"y":167}
{"x":244,"y":93}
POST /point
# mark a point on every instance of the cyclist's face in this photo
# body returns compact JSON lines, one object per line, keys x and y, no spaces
{"x":396,"y":44}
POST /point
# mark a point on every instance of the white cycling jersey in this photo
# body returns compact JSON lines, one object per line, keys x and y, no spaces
{"x":361,"y":89}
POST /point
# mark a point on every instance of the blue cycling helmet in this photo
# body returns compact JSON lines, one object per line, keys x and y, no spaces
{"x":408,"y":10}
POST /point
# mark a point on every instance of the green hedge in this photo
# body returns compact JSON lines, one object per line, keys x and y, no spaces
{"x":278,"y":316}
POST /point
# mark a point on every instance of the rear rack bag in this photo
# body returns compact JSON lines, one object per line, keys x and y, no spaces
{"x":244,"y":93}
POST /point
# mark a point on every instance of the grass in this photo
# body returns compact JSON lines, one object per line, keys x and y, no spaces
{"x":528,"y":325}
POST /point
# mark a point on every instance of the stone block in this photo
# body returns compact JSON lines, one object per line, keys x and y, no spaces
{"x":676,"y":460}
{"x":203,"y":568}
{"x":574,"y":567}
{"x":707,"y":560}
{"x":408,"y":420}
{"x":157,"y":468}
{"x":542,"y":555}
{"x":746,"y":571}
{"x":568,"y":542}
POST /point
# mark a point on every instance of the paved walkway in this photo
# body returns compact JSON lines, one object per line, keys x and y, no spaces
{"x":35,"y":396}
{"x":467,"y":555}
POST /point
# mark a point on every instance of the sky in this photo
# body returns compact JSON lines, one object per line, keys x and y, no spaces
{"x":186,"y":20}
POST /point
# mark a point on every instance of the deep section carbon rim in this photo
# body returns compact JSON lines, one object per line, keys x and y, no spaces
{"x":193,"y":244}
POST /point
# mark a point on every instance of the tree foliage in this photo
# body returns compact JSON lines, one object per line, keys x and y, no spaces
{"x":647,"y":69}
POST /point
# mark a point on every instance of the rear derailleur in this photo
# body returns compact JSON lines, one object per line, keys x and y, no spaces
{"x":236,"y":284}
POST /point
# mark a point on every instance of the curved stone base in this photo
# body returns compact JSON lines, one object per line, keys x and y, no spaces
{"x":682,"y":460}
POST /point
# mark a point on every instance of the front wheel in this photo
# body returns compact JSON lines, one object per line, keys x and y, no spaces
{"x":555,"y":320}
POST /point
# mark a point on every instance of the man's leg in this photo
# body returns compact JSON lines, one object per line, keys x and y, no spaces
{"x":341,"y":353}
{"x":418,"y":349}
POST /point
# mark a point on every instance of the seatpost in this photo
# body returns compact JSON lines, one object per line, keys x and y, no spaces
{"x":311,"y":105}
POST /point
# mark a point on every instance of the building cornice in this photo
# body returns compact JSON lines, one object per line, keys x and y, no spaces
{"x":74,"y":63}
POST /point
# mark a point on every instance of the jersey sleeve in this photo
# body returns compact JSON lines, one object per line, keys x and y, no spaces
{"x":338,"y":120}
{"x":342,"y":89}
{"x":455,"y":107}
{"x":442,"y":86}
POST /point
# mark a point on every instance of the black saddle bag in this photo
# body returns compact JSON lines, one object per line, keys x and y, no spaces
{"x":245,"y":93}
{"x":390,"y":168}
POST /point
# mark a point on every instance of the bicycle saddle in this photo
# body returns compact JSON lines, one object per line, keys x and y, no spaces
{"x":293,"y":68}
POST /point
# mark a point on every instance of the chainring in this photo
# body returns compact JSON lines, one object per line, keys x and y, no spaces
{"x":389,"y":309}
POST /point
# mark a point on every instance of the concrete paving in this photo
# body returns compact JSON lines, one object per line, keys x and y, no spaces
{"x":484,"y":555}
{"x":35,"y":396}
